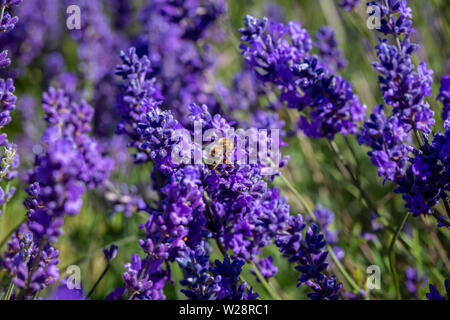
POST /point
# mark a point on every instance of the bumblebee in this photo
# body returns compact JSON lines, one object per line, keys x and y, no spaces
{"x":220,"y":149}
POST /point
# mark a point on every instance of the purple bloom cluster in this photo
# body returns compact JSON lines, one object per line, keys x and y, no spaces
{"x":414,"y":281}
{"x":231,"y":204}
{"x":386,"y":138}
{"x":280,"y":54}
{"x":9,"y":159}
{"x":217,"y":282}
{"x":421,"y":174}
{"x":348,"y":4}
{"x":404,"y":87}
{"x":173,"y":40}
{"x":125,"y":199}
{"x":329,"y":52}
{"x":139,"y":96}
{"x":22,"y":254}
{"x":434,"y":294}
{"x":38,"y":29}
{"x":325,"y":219}
{"x":427,"y":179}
{"x":96,"y":37}
{"x":7,"y":22}
{"x":444,"y":96}
{"x":72,"y":161}
{"x":308,"y":251}
{"x":193,"y":16}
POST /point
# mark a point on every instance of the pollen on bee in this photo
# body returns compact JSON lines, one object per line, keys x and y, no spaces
{"x":185,"y":239}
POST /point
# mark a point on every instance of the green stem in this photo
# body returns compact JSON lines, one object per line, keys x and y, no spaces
{"x":273,"y":294}
{"x":33,"y":269}
{"x":269,"y":290}
{"x":391,"y":253}
{"x":10,"y":290}
{"x":447,"y":207}
{"x":336,"y":261}
{"x":8,"y":235}
{"x":7,"y":188}
{"x":99,"y":250}
{"x":352,"y":151}
{"x":2,"y":13}
{"x":333,"y":147}
{"x":144,"y":270}
{"x":98,"y":280}
{"x":440,"y":219}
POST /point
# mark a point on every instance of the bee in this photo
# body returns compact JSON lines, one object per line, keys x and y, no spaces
{"x":220,"y":150}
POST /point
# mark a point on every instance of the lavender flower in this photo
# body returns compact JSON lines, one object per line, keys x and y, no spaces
{"x":7,"y":23}
{"x":4,"y":60}
{"x":413,"y":281}
{"x":9,"y":158}
{"x":63,"y":292}
{"x":280,"y":55}
{"x":71,"y":163}
{"x":144,"y":280}
{"x":39,"y":28}
{"x":427,"y":178}
{"x":387,"y":139}
{"x":434,"y":294}
{"x":125,"y":199}
{"x":444,"y":96}
{"x":194,"y":16}
{"x":420,"y":174}
{"x":309,"y":253}
{"x":403,"y":86}
{"x":220,"y":282}
{"x":175,"y":32}
{"x":110,"y":253}
{"x":195,"y":265}
{"x":348,"y":4}
{"x":324,"y":219}
{"x":329,"y":52}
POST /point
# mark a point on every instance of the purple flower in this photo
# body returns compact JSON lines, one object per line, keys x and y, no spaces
{"x":444,"y":96}
{"x":63,"y":292}
{"x":9,"y":158}
{"x":266,"y":267}
{"x":308,"y":252}
{"x":386,"y":137}
{"x":219,"y":282}
{"x":413,"y":281}
{"x":7,"y":23}
{"x":174,"y":40}
{"x":434,"y":294}
{"x":70,"y":163}
{"x":201,"y":285}
{"x":7,"y":101}
{"x":324,"y":219}
{"x":125,"y":199}
{"x":427,"y":178}
{"x":110,"y":253}
{"x":329,"y":52}
{"x":348,"y":4}
{"x":4,"y":60}
{"x":144,"y":280}
{"x":280,"y":55}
